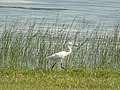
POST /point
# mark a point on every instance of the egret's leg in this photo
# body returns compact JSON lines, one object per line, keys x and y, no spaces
{"x":62,"y":66}
{"x":53,"y":65}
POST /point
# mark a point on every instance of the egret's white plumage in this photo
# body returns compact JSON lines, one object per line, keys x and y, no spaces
{"x":58,"y":55}
{"x":61,"y":55}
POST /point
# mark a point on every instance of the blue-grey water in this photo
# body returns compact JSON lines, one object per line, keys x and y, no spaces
{"x":97,"y":11}
{"x":103,"y":11}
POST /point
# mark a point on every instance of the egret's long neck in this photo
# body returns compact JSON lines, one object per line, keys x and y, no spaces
{"x":70,"y":49}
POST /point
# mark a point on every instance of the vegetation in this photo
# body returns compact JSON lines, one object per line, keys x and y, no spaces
{"x":73,"y":79}
{"x":94,"y":64}
{"x":29,"y":47}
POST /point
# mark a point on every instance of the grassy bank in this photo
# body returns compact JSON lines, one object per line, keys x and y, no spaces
{"x":74,"y":79}
{"x":94,"y":64}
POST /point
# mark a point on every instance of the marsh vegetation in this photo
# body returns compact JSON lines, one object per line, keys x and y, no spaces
{"x":27,"y":49}
{"x":30,"y":46}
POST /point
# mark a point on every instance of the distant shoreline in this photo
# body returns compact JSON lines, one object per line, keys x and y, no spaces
{"x":16,"y":1}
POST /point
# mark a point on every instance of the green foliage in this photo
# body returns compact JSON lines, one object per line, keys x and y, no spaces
{"x":78,"y":79}
{"x":28,"y":49}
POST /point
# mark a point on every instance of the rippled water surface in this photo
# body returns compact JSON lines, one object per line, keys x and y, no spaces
{"x":105,"y":11}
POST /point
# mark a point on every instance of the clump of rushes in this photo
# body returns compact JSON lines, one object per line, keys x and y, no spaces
{"x":28,"y":48}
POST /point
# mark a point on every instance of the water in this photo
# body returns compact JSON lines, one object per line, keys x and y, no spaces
{"x":97,"y":11}
{"x":103,"y":11}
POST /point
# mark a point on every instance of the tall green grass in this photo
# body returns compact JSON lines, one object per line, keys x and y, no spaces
{"x":30,"y":47}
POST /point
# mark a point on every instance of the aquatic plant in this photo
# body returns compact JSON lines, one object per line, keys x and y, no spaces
{"x":28,"y":46}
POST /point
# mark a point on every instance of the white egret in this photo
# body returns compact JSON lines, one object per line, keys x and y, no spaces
{"x":61,"y":55}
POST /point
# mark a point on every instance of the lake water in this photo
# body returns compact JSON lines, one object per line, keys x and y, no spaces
{"x":97,"y":11}
{"x":100,"y":11}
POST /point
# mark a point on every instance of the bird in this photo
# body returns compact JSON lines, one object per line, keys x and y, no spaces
{"x":61,"y":55}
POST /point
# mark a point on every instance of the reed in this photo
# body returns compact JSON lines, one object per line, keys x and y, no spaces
{"x":29,"y":47}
